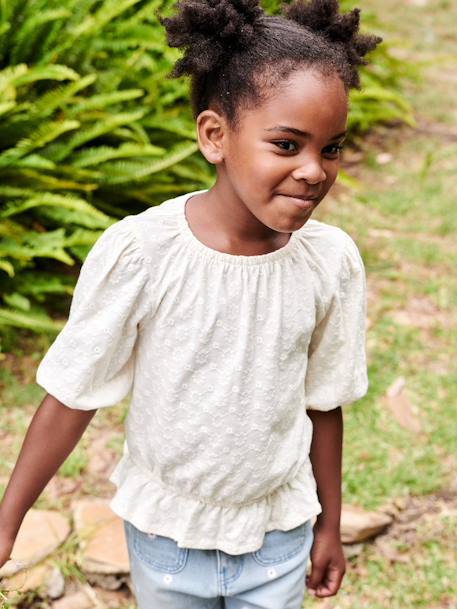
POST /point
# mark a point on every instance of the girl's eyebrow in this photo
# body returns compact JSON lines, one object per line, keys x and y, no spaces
{"x":302,"y":133}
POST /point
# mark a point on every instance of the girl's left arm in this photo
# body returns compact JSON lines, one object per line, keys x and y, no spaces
{"x":327,"y":557}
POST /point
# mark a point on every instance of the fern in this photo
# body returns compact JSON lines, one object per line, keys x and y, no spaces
{"x":44,"y":134}
{"x":101,"y":154}
{"x":31,"y":30}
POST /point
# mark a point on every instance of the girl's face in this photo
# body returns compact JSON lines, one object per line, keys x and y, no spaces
{"x":283,"y":156}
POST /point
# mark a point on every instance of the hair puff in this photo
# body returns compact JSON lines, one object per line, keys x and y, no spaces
{"x":323,"y":17}
{"x":209,"y":31}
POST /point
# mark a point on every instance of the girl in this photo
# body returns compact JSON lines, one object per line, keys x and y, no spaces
{"x":237,"y":321}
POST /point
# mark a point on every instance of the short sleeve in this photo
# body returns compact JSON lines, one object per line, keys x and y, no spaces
{"x":337,"y":369}
{"x":91,"y":362}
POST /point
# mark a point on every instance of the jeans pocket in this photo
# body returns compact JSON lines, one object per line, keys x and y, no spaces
{"x":159,"y":552}
{"x":280,"y":546}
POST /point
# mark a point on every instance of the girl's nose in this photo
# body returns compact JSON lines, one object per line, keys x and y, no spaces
{"x":311,"y":171}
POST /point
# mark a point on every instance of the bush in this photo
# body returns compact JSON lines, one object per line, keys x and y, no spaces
{"x":92,"y":130}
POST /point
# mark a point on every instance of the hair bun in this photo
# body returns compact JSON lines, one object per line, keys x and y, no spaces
{"x":209,"y":30}
{"x":323,"y":17}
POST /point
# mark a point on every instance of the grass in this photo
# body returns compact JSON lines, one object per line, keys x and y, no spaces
{"x":404,"y":219}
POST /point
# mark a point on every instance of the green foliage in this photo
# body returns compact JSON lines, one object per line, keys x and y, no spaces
{"x":91,"y":130}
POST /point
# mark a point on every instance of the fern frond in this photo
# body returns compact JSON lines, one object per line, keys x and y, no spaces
{"x":75,"y":204}
{"x":35,"y":322}
{"x":36,"y":162}
{"x":94,"y":131}
{"x":122,"y":172}
{"x":51,"y":72}
{"x":44,"y":245}
{"x":8,"y":77}
{"x":56,"y":98}
{"x":31,"y":29}
{"x":104,"y":100}
{"x":7,"y":267}
{"x":101,"y":154}
{"x":6,"y":107}
{"x":44,"y":134}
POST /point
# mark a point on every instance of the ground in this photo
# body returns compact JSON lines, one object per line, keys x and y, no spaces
{"x":400,"y":441}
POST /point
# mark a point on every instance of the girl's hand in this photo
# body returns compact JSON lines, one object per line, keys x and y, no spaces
{"x":6,"y":547}
{"x":328,"y":564}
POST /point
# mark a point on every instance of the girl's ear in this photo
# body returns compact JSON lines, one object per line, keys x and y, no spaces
{"x":211,"y":128}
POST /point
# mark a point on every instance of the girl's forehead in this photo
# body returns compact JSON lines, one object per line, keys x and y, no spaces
{"x":307,"y":101}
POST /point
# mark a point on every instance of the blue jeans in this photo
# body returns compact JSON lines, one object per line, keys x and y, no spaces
{"x":165,"y":576}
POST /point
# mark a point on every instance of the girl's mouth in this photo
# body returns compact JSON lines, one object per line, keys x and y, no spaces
{"x":302,"y":201}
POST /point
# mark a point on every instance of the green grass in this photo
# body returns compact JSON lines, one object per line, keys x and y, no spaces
{"x":404,"y":218}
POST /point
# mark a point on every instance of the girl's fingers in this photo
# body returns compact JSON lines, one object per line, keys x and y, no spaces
{"x":316,"y":577}
{"x":331,"y":583}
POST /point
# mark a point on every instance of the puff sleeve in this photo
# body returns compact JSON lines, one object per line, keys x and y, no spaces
{"x":91,"y":362}
{"x":337,"y":369}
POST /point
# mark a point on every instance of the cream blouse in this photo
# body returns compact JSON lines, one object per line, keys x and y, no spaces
{"x":222,"y":354}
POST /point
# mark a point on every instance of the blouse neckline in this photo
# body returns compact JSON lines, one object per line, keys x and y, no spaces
{"x":215,"y":255}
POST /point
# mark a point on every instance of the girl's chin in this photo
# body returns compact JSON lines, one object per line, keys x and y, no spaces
{"x":292,"y":225}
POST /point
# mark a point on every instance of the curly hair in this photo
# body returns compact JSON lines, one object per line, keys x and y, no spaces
{"x":235,"y":53}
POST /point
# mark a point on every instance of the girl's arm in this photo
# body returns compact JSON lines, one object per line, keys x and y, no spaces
{"x":327,"y":557}
{"x":53,"y":432}
{"x":326,"y":459}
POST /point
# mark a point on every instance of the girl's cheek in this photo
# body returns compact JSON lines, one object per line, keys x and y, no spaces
{"x":332,"y":170}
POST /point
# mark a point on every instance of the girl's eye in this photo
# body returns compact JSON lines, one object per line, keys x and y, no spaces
{"x":333,"y":149}
{"x":286,"y":145}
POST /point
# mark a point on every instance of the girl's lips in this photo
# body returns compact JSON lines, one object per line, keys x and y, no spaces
{"x":302,"y":202}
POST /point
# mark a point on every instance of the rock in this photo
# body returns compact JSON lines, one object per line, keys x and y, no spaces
{"x":104,"y":549}
{"x":102,"y":460}
{"x":42,"y":531}
{"x":400,"y":406}
{"x":352,"y":550}
{"x":383,"y":158}
{"x":359,"y":525}
{"x":390,"y":508}
{"x":55,"y":585}
{"x":45,"y":580}
{"x":115,"y":599}
{"x":25,"y":581}
{"x":401,"y":502}
{"x":78,"y":600}
{"x":107,"y":582}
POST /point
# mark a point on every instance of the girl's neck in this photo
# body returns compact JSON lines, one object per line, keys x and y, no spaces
{"x":220,"y":220}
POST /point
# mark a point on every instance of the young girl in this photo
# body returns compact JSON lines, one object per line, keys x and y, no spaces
{"x":237,"y":322}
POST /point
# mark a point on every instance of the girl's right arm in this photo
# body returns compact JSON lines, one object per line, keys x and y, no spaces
{"x":53,"y":433}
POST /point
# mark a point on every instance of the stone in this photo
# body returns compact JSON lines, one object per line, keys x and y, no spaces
{"x":103,"y":545}
{"x":45,"y":580}
{"x":352,"y":550}
{"x":102,"y":460}
{"x":358,"y":525}
{"x":55,"y":585}
{"x":41,"y":532}
{"x":400,"y":406}
{"x":107,"y":582}
{"x":114,"y":599}
{"x":383,"y":158}
{"x":78,"y":600}
{"x":401,"y":502}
